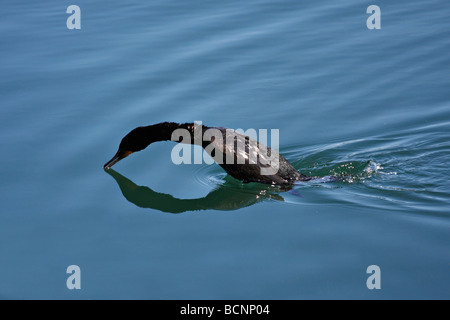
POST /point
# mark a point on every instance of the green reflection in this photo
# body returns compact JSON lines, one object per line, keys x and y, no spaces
{"x":226,"y":197}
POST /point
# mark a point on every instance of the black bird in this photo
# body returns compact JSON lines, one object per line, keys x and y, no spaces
{"x":240,"y":156}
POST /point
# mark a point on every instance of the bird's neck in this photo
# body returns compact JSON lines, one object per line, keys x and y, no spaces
{"x":168,"y":131}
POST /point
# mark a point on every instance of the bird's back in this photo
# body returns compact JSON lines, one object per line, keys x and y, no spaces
{"x":248,"y":160}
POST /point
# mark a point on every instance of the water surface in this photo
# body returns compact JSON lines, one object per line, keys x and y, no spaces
{"x":373,"y":105}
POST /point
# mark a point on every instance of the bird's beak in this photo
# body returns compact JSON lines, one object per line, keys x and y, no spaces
{"x":119,"y":156}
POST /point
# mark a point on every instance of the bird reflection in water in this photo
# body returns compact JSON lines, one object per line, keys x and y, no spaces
{"x":228,"y":196}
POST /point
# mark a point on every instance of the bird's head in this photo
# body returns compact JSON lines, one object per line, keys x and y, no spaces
{"x":134,"y":141}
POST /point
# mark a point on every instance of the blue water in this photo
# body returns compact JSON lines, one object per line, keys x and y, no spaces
{"x":373,"y":105}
